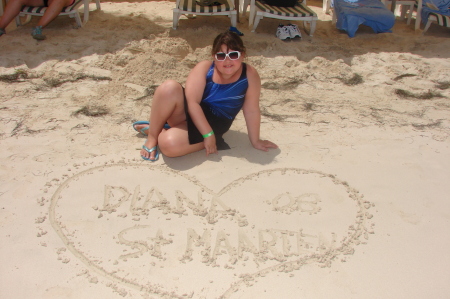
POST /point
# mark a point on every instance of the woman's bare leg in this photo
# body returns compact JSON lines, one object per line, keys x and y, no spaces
{"x":52,"y":11}
{"x":168,"y":106}
{"x":13,"y":8}
{"x":175,"y":142}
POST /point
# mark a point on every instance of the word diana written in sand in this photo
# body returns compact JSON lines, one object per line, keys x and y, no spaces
{"x":152,"y":228}
{"x":271,"y":243}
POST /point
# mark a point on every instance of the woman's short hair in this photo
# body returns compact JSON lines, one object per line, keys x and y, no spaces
{"x":231,"y":40}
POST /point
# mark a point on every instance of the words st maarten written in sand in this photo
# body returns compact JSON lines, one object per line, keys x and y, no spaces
{"x":123,"y":220}
{"x":271,"y":243}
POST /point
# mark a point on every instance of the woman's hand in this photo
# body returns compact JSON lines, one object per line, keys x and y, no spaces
{"x":210,"y":145}
{"x":264,"y":145}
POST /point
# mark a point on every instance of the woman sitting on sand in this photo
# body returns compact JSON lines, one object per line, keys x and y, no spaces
{"x":13,"y":8}
{"x":187,"y":120}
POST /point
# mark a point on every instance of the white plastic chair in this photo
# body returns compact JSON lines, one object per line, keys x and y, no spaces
{"x":300,"y":12}
{"x":191,"y":7}
{"x":71,"y":11}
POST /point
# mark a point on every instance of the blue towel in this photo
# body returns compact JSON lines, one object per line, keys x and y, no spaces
{"x":371,"y":13}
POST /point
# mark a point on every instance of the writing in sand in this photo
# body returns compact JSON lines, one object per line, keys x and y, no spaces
{"x":151,"y":228}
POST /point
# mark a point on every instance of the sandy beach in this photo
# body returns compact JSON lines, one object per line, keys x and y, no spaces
{"x":353,"y":204}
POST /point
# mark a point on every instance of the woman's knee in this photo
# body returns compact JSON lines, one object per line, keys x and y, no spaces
{"x":169,"y":88}
{"x":168,"y":145}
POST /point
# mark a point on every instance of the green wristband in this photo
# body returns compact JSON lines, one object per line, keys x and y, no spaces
{"x":208,"y":134}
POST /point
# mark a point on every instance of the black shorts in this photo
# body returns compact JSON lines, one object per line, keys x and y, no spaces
{"x":46,"y":3}
{"x":219,"y":125}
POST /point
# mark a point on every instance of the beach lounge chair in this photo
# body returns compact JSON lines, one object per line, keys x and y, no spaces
{"x":300,"y":12}
{"x":430,"y":12}
{"x":71,"y":11}
{"x":192,"y":7}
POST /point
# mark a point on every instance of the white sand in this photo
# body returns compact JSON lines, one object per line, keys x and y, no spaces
{"x":354,"y":204}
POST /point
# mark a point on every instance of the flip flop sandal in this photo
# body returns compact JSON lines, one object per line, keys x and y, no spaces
{"x":153,"y":149}
{"x":144,"y":122}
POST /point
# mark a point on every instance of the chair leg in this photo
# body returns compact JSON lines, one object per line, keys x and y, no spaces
{"x":417,"y":24}
{"x":78,"y":19}
{"x":427,"y":26}
{"x":85,"y":14}
{"x":312,"y":27}
{"x":244,"y":8}
{"x":258,"y":18}
{"x":252,"y":17}
{"x":86,"y":4}
{"x":176,"y":17}
{"x":411,"y":8}
{"x":326,"y":6}
{"x":403,"y":10}
{"x":19,"y":21}
{"x":418,"y":19}
{"x":233,"y":17}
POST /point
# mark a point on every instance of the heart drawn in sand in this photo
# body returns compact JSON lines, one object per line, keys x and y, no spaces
{"x":163,"y":232}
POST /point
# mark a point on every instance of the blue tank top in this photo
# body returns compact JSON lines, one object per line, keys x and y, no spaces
{"x":225,"y":100}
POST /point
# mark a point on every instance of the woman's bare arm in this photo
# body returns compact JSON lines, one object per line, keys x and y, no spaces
{"x":195,"y":85}
{"x":252,"y":111}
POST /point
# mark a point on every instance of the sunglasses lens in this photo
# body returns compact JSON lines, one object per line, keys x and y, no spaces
{"x":233,"y":55}
{"x":221,"y":56}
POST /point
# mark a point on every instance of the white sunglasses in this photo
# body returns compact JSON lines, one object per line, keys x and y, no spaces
{"x":234,"y":55}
